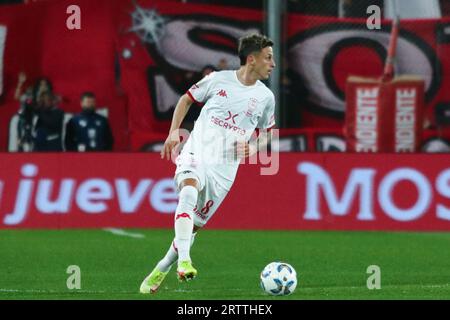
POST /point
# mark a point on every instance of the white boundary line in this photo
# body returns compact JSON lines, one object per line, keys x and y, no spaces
{"x":123,"y":233}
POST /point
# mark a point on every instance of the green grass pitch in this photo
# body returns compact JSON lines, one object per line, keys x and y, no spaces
{"x":330,"y":265}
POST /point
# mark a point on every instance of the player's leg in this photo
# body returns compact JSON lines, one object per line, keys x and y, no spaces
{"x":208,"y":202}
{"x":154,"y":280}
{"x":188,"y":192}
{"x":184,"y":226}
{"x":165,"y":264}
{"x":186,"y":178}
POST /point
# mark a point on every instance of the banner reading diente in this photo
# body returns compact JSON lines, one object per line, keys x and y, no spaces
{"x":384,"y":116}
{"x":310,"y":191}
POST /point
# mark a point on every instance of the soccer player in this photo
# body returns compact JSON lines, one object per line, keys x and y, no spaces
{"x":235,"y":103}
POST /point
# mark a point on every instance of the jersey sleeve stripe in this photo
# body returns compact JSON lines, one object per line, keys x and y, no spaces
{"x":192,"y":97}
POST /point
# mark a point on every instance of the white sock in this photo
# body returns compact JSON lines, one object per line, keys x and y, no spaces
{"x":184,"y":221}
{"x":171,"y":256}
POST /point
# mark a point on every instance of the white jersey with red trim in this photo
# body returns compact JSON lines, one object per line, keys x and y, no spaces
{"x":231,"y":112}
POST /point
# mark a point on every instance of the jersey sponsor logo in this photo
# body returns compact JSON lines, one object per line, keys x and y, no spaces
{"x":227,"y":125}
{"x":222,"y":93}
{"x":231,"y":117}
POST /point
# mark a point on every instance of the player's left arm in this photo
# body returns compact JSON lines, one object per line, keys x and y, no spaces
{"x":247,"y":149}
{"x":264,"y":139}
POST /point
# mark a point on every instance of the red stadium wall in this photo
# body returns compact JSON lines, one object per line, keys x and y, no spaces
{"x":309,"y":191}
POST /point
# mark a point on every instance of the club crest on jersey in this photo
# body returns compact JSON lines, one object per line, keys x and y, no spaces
{"x":222,"y":93}
{"x":252,"y":105}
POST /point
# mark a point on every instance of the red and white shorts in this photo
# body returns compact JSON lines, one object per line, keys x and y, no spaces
{"x":212,"y":192}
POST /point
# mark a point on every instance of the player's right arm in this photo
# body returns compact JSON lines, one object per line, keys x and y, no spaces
{"x":20,"y":83}
{"x":182,"y":108}
{"x":198,"y":93}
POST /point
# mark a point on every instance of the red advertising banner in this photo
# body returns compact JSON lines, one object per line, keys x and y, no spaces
{"x":308,"y":191}
{"x":405,"y":110}
{"x":384,"y":117}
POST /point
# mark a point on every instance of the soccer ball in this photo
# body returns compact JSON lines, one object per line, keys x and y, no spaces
{"x":278,"y":279}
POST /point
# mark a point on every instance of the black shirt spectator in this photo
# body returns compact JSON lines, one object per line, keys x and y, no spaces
{"x":30,"y":109}
{"x":47,"y":132}
{"x":41,"y":85}
{"x":88,"y":130}
{"x":26,"y":115}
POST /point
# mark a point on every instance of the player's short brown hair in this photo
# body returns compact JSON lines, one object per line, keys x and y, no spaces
{"x":251,"y":44}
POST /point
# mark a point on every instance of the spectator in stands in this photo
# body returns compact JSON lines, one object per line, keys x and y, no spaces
{"x":28,"y":108}
{"x":22,"y":78}
{"x":25,"y":124}
{"x":47,"y":133}
{"x":207,"y":70}
{"x":25,"y":113}
{"x":88,"y":130}
{"x":41,"y":84}
{"x":223,"y":64}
